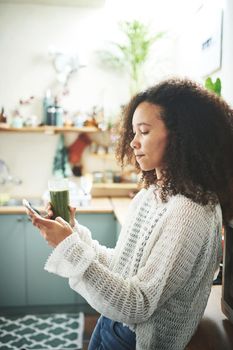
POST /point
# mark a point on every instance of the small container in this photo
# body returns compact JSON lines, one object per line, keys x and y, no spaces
{"x":98,"y":177}
{"x":108,"y":176}
{"x":17,"y":122}
{"x":117,"y":178}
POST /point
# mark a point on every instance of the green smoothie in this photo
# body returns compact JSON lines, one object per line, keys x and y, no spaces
{"x":60,"y":204}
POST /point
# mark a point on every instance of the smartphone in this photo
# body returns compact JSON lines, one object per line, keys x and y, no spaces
{"x":29,"y":207}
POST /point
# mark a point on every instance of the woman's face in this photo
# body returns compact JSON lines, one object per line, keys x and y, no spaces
{"x":150,"y":136}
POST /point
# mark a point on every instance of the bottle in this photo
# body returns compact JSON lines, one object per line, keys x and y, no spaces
{"x":51,"y":115}
{"x":47,"y":102}
{"x":58,"y":113}
{"x":3,"y":118}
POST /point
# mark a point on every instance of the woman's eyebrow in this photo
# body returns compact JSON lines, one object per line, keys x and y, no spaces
{"x":143,"y":123}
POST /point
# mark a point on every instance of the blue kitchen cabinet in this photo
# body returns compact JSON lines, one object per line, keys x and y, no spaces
{"x":43,"y":288}
{"x":103,"y":229}
{"x":23,"y":253}
{"x":12,"y":261}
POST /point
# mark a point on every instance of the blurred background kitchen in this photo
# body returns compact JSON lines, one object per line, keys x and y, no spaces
{"x":61,"y":65}
{"x":67,"y":68}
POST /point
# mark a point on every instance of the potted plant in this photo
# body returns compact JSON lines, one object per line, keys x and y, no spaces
{"x":133,"y":53}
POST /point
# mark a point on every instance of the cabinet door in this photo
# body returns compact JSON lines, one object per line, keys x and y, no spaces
{"x":12,"y":261}
{"x":102,"y":227}
{"x":23,"y":253}
{"x":43,"y":288}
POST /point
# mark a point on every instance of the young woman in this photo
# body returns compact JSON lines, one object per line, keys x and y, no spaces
{"x":153,"y":287}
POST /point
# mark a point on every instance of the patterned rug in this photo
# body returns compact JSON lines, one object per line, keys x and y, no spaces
{"x":40,"y":332}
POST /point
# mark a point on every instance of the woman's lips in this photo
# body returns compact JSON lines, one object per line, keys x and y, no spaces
{"x":139,"y":156}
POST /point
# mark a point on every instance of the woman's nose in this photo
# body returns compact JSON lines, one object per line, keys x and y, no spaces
{"x":134,"y":143}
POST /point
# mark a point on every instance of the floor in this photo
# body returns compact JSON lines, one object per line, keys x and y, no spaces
{"x":90,"y":322}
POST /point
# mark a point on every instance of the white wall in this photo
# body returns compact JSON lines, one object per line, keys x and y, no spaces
{"x":27,"y":31}
{"x":187,"y":54}
{"x":226,"y":72}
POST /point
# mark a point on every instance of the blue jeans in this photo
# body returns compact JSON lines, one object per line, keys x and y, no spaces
{"x":111,"y":335}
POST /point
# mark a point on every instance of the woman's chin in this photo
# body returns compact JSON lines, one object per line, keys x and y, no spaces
{"x":147,"y":168}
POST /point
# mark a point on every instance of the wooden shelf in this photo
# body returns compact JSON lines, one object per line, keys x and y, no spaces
{"x":103,"y":155}
{"x":113,"y":189}
{"x":113,"y":185}
{"x":47,"y":129}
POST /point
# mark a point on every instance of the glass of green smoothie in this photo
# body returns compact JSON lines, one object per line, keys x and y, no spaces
{"x":59,"y":197}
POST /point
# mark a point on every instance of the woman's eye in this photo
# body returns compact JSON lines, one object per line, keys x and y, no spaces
{"x":141,"y":132}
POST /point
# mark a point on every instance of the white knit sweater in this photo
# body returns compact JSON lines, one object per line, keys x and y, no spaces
{"x":158,"y":277}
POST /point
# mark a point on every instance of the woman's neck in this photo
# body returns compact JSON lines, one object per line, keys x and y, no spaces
{"x":159,"y":177}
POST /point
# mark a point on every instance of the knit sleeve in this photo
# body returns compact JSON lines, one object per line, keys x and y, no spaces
{"x":103,"y":254}
{"x":134,"y":299}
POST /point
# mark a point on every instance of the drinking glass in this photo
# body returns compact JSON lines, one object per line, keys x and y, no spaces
{"x":59,"y":197}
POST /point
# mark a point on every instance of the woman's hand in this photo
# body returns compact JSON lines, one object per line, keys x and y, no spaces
{"x":53,"y":231}
{"x":50,"y":214}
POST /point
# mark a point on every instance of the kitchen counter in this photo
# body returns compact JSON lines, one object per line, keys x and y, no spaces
{"x":120,"y":207}
{"x":98,"y":205}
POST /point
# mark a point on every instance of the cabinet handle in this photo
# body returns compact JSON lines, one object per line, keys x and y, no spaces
{"x":19,"y":219}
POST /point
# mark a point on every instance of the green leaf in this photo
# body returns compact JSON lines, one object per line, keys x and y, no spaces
{"x":218,"y":87}
{"x":209,"y":84}
{"x":213,"y":86}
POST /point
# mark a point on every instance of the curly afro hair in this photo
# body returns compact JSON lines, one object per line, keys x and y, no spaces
{"x":199,"y":154}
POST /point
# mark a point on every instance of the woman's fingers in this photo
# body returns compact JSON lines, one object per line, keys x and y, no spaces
{"x":53,"y":231}
{"x":40,"y":222}
{"x":61,"y":221}
{"x":50,"y":213}
{"x":29,"y":213}
{"x":72,"y":216}
{"x":48,"y":206}
{"x":49,"y":210}
{"x":72,"y":211}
